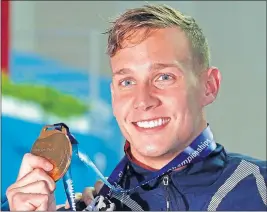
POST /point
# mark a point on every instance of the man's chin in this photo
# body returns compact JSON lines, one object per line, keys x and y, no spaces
{"x":151,"y":152}
{"x":156,"y":158}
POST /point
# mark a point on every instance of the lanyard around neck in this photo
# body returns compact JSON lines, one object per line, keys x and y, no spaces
{"x":198,"y":150}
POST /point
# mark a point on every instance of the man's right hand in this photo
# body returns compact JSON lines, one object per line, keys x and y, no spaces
{"x":87,"y":196}
{"x":34,"y":188}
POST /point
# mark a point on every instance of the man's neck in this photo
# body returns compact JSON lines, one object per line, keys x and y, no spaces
{"x":153,"y":163}
{"x":156,"y":163}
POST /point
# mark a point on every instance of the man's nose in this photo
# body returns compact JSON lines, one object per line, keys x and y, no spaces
{"x":145,"y":100}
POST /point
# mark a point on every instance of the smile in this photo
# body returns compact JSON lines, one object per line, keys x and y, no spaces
{"x":148,"y":124}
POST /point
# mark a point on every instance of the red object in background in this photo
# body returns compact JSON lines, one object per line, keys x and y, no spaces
{"x":5,"y":18}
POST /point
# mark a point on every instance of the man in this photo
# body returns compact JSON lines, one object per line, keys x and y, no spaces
{"x":162,"y":80}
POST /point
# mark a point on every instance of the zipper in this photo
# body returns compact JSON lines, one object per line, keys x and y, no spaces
{"x":166,"y":184}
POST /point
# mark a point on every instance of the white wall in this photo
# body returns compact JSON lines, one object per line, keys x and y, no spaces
{"x":23,"y":25}
{"x":237,"y":35}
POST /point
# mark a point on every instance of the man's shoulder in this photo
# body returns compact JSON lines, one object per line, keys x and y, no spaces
{"x":236,"y":158}
{"x":245,"y":163}
{"x":242,"y":184}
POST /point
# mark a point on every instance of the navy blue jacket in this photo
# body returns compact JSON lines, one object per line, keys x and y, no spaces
{"x":223,"y":181}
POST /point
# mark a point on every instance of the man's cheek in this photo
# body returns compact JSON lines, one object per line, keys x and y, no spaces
{"x":120,"y":111}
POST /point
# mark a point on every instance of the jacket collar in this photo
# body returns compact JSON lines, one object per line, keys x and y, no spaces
{"x":211,"y":166}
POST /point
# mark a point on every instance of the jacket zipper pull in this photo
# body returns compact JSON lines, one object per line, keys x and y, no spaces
{"x":166,"y":184}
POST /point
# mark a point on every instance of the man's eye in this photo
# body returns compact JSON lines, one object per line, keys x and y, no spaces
{"x":127,"y":83}
{"x":164,"y":77}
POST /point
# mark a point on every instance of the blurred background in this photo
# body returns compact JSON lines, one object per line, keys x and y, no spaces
{"x":54,"y":69}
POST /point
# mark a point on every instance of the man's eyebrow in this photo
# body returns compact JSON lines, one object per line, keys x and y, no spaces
{"x":122,"y":71}
{"x":159,"y":66}
{"x":153,"y":67}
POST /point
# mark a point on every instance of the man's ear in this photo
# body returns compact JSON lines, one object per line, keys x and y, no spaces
{"x":212,"y":81}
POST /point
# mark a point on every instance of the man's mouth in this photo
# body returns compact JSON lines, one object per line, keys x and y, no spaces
{"x":152,"y":123}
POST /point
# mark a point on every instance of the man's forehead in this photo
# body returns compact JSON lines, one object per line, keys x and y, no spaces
{"x":162,"y":46}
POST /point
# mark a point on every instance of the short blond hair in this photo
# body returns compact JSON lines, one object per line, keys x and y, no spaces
{"x":155,"y":17}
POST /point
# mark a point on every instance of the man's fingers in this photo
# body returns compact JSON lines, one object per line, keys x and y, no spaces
{"x":88,"y":195}
{"x":98,"y":185}
{"x":47,"y":205}
{"x":31,"y":162}
{"x":39,"y":187}
{"x":34,"y":176}
{"x":19,"y":202}
{"x":43,"y":206}
{"x":29,"y":202}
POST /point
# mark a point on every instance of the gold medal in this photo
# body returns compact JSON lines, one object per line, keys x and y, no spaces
{"x":55,"y":146}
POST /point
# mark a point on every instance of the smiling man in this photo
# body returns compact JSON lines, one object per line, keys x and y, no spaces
{"x":161,"y":82}
{"x":158,"y":94}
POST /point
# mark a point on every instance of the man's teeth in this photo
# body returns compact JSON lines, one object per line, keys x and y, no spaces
{"x":153,"y":123}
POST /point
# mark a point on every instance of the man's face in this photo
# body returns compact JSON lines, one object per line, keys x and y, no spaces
{"x":157,"y":99}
